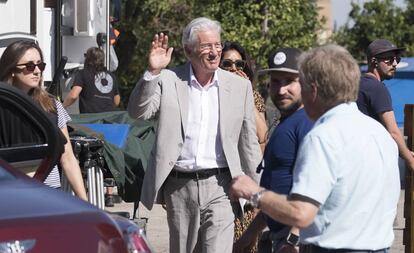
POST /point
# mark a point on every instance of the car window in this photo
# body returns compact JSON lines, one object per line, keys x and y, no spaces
{"x":28,"y":134}
{"x":18,"y":129}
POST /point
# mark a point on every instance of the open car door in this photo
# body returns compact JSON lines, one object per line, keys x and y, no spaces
{"x":28,"y":137}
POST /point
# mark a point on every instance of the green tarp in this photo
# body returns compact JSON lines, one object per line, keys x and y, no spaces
{"x":127,"y":164}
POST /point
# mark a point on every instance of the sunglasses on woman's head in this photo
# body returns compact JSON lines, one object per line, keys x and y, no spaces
{"x":228,"y":64}
{"x":30,"y":66}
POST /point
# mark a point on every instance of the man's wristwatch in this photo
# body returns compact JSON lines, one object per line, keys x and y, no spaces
{"x":255,"y":198}
{"x":293,"y":239}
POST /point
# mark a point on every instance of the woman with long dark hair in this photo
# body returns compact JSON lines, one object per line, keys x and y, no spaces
{"x":22,"y":66}
{"x":234,"y":58}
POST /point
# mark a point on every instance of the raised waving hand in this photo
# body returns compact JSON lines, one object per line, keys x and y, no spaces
{"x":160,"y":54}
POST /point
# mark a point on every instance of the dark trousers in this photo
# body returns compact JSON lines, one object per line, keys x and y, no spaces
{"x":271,"y":242}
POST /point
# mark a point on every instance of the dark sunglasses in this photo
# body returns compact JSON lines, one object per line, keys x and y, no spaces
{"x":228,"y":64}
{"x":30,"y":66}
{"x":390,"y":60}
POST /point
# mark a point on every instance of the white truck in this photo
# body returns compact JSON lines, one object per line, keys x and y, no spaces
{"x":62,"y":28}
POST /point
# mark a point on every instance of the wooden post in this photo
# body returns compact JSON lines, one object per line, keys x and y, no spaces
{"x":408,"y":238}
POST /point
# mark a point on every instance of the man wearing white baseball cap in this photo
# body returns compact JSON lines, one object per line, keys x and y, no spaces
{"x":281,"y":150}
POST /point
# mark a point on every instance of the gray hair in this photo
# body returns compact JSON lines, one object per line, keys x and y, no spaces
{"x":334,"y":72}
{"x":201,"y":24}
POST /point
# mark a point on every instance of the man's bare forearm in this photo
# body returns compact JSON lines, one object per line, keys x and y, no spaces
{"x":290,"y":212}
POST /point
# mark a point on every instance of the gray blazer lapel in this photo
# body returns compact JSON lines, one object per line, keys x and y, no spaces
{"x":181,"y":86}
{"x":224,"y":101}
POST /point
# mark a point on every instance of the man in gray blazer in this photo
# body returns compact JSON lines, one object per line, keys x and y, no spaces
{"x":206,"y":136}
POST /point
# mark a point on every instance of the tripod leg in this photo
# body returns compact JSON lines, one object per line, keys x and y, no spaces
{"x":100,"y":188}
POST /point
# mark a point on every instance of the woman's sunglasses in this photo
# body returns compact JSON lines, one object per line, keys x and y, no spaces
{"x":30,"y":66}
{"x":228,"y":64}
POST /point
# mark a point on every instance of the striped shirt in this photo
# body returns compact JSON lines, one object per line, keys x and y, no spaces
{"x":53,"y":179}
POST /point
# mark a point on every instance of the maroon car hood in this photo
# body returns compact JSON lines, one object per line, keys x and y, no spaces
{"x":55,"y":220}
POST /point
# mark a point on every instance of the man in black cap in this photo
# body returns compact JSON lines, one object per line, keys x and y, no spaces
{"x":281,"y":150}
{"x":374,"y":98}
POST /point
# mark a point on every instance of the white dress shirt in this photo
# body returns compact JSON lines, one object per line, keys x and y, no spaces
{"x":202,"y":147}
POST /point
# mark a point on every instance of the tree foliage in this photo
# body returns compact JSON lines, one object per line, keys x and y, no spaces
{"x":259,"y":25}
{"x":377,"y":19}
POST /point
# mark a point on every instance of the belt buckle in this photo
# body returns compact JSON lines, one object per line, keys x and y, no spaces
{"x":202,"y":174}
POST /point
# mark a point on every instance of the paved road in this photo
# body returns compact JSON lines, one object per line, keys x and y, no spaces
{"x":399,"y":226}
{"x":157,"y":228}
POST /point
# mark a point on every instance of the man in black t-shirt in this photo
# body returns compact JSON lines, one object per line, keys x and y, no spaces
{"x":96,"y":88}
{"x":374,"y":98}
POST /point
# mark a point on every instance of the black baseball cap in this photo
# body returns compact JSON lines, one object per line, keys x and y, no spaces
{"x":283,"y":60}
{"x":380,"y":46}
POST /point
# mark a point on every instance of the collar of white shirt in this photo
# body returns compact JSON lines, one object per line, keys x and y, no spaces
{"x":341,"y":108}
{"x":194,"y":80}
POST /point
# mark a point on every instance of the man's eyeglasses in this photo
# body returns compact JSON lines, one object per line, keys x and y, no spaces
{"x":30,"y":66}
{"x":390,"y":60}
{"x":228,"y":64}
{"x":209,"y":46}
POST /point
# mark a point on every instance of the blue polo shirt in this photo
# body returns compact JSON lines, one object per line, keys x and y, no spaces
{"x":280,"y":155}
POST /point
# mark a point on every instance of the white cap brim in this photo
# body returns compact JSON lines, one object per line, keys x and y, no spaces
{"x":263,"y":71}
